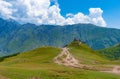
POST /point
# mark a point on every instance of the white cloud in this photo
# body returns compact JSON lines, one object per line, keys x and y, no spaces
{"x":40,"y":12}
{"x":96,"y":16}
{"x":77,"y":18}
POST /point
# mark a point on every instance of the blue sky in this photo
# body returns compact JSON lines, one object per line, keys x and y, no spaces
{"x":111,"y":9}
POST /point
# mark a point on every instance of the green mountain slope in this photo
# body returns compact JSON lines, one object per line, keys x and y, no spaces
{"x":38,"y":64}
{"x":112,"y":53}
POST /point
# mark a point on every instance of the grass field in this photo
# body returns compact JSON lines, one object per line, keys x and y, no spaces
{"x":38,"y":64}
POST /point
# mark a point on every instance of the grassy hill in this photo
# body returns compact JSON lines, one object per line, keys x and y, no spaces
{"x":38,"y":64}
{"x":85,"y":54}
{"x":112,"y":53}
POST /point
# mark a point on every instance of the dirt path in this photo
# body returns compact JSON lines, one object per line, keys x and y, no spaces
{"x":2,"y":77}
{"x":66,"y":58}
{"x":115,"y":70}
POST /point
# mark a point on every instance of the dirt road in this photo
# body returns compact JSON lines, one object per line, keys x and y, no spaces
{"x":66,"y":58}
{"x":115,"y":70}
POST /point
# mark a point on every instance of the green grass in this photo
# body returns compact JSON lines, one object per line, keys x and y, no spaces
{"x":38,"y":63}
{"x":39,"y":55}
{"x":112,"y":53}
{"x":56,"y":72}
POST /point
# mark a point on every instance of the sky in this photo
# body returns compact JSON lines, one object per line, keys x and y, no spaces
{"x":104,"y":13}
{"x":111,"y":9}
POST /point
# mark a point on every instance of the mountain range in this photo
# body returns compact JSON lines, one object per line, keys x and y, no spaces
{"x":15,"y":37}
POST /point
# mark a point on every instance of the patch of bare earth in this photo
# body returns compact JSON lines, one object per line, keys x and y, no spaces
{"x":115,"y":70}
{"x":2,"y":77}
{"x":65,"y":58}
{"x":35,"y":78}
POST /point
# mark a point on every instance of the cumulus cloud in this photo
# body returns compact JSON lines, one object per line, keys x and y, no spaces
{"x":96,"y":16}
{"x":42,"y":12}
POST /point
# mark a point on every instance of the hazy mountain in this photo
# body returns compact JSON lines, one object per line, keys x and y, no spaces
{"x":15,"y":37}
